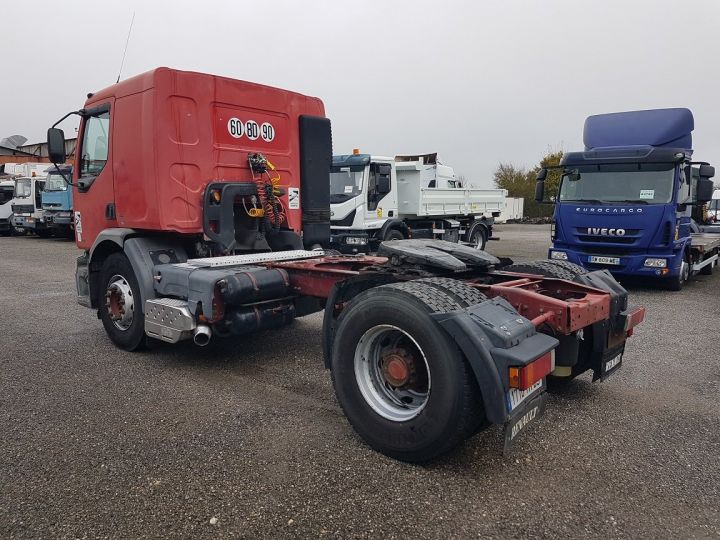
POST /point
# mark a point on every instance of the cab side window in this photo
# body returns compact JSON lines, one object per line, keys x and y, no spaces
{"x":372,"y":190}
{"x":95,"y":144}
{"x":378,"y":184}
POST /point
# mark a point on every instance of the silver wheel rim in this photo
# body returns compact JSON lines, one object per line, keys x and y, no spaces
{"x":381,"y":355}
{"x":478,"y":239}
{"x":119,"y":302}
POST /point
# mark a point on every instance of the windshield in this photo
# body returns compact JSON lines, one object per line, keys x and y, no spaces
{"x":6,"y":193}
{"x":345,"y":183}
{"x":635,"y":183}
{"x":23,"y":188}
{"x":55,"y":182}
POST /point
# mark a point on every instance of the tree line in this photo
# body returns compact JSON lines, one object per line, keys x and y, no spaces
{"x":520,"y":182}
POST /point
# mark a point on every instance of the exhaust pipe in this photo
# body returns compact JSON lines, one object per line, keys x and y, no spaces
{"x":202,"y":335}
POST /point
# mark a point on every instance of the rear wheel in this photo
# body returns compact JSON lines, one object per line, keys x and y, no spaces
{"x":119,"y":303}
{"x":477,"y":236}
{"x":44,"y":233}
{"x":401,"y":380}
{"x":708,"y":270}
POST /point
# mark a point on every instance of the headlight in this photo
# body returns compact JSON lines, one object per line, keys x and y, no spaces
{"x":558,"y":255}
{"x":356,"y":240}
{"x":656,"y":263}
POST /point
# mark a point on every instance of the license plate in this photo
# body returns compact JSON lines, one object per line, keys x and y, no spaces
{"x":611,"y":366}
{"x":516,"y":397}
{"x":526,"y":414}
{"x":603,"y":260}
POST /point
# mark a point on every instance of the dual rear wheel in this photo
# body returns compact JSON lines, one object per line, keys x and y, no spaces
{"x":403,"y":383}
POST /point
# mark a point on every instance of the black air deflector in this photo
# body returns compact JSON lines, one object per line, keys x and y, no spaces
{"x":315,"y":164}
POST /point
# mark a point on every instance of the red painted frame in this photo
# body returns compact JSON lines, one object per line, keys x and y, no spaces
{"x":564,"y":306}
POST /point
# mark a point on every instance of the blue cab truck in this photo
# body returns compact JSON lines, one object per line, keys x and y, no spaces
{"x":57,"y":201}
{"x":627,"y":202}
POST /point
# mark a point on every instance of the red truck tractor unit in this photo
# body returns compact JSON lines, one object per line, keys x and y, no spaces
{"x":202,"y":209}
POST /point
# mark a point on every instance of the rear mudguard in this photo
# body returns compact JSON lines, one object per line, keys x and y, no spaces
{"x":493,"y":337}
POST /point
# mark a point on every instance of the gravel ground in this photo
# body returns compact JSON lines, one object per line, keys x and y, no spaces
{"x":247,"y":440}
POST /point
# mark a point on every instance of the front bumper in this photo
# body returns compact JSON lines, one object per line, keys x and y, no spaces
{"x":58,"y":219}
{"x":350,"y":242}
{"x":628,"y":264}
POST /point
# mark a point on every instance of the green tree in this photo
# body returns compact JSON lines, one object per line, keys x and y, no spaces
{"x":520,"y":182}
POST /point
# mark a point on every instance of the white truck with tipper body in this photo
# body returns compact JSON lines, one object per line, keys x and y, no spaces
{"x":375,"y":198}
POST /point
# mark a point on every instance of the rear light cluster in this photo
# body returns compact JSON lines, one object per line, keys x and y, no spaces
{"x":524,"y":377}
{"x":632,"y":318}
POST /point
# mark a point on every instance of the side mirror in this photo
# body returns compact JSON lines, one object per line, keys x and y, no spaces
{"x":383,"y":184}
{"x":706,"y":171}
{"x":540,"y":185}
{"x":705,"y":188}
{"x":56,"y":145}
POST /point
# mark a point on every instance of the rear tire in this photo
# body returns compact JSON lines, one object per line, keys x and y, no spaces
{"x":438,"y":405}
{"x":119,"y":303}
{"x":549,"y":268}
{"x":477,"y":236}
{"x":708,"y":270}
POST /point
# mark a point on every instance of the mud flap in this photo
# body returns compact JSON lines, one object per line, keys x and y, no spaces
{"x":521,"y":418}
{"x":493,"y":337}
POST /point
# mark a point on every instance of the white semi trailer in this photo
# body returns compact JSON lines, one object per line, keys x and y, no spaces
{"x":377,"y":198}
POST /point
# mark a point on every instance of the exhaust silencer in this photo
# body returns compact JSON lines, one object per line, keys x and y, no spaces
{"x":202,"y":335}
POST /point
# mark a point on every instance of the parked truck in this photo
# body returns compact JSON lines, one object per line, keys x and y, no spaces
{"x":202,"y":209}
{"x":376,"y":198}
{"x":28,"y":215}
{"x":713,"y":207}
{"x":57,"y":202}
{"x":7,"y":195}
{"x":626,"y":202}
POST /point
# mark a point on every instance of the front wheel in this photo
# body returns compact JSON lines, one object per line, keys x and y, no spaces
{"x":402,"y":382}
{"x":394,"y":234}
{"x":120,"y":304}
{"x":676,"y":283}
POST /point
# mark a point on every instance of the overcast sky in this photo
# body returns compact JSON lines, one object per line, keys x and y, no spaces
{"x":479,"y":82}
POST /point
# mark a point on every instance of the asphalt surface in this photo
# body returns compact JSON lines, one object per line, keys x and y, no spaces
{"x":246,"y":439}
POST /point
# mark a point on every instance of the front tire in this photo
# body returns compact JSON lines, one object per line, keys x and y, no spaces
{"x":677,"y":283}
{"x":394,"y":234}
{"x":402,"y":382}
{"x":119,"y":303}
